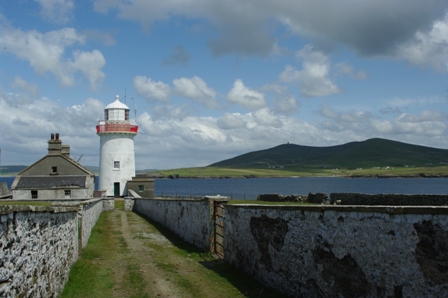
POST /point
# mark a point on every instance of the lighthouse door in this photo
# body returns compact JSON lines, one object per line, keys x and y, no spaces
{"x":116,"y":189}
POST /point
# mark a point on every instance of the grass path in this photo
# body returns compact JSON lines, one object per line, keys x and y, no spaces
{"x":130,"y":256}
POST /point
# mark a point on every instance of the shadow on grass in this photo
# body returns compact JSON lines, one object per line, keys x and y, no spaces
{"x":171,"y":236}
{"x":245,"y":284}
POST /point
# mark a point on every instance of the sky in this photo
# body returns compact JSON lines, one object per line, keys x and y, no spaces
{"x":210,"y":80}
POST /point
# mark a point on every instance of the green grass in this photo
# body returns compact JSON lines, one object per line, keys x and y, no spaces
{"x":136,"y":281}
{"x":88,"y":277}
{"x":214,"y":172}
{"x":119,"y":204}
{"x":225,"y":172}
{"x":24,"y":203}
{"x":218,"y":273}
{"x":250,"y":202}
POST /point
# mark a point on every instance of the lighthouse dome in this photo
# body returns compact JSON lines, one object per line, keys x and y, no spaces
{"x":117,"y":104}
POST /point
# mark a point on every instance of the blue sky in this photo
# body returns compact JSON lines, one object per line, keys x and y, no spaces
{"x":210,"y":80}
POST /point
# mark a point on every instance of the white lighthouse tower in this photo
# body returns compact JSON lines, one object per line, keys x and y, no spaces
{"x":117,"y":159}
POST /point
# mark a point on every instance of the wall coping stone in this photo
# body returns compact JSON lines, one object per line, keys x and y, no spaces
{"x":76,"y":203}
{"x":8,"y":209}
{"x":188,"y":199}
{"x":350,"y":208}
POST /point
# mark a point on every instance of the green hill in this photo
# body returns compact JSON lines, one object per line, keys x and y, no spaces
{"x":367,"y":154}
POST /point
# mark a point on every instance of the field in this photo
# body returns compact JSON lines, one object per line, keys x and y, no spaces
{"x":215,"y":172}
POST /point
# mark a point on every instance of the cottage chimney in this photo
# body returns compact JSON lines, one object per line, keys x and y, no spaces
{"x":65,"y":150}
{"x":54,"y":145}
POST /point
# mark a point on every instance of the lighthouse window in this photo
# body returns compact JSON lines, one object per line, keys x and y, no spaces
{"x":106,"y":115}
{"x":126,"y":115}
{"x":116,"y":164}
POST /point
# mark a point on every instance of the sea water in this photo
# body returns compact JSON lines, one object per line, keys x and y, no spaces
{"x":250,"y":188}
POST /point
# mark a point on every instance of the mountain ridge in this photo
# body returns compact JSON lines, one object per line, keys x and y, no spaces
{"x":374,"y":152}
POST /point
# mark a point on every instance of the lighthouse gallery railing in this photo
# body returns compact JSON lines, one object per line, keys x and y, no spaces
{"x":117,"y":128}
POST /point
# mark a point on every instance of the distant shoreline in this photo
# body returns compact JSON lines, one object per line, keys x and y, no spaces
{"x":298,"y":177}
{"x":261,"y":177}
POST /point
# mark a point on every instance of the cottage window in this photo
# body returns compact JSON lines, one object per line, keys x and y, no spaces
{"x":67,"y":193}
{"x":141,"y":188}
{"x":116,"y":164}
{"x":34,"y":194}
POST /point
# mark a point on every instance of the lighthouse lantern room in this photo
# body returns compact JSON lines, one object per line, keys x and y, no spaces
{"x":117,"y":158}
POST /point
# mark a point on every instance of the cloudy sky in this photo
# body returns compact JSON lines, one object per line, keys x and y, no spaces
{"x":209,"y":80}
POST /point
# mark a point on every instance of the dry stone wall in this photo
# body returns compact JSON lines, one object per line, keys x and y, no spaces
{"x":341,"y":251}
{"x":37,"y":247}
{"x":190,"y":219}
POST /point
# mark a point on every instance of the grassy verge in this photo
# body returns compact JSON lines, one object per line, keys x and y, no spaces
{"x":88,"y":277}
{"x":251,"y":202}
{"x":25,"y":203}
{"x":225,"y":172}
{"x":214,"y":172}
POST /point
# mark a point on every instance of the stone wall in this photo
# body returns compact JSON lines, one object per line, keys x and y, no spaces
{"x":39,"y":244}
{"x":4,"y":189}
{"x":37,"y":247}
{"x":90,"y":211}
{"x":108,"y":204}
{"x":341,"y":251}
{"x":389,"y":199}
{"x":128,"y":204}
{"x":190,"y":219}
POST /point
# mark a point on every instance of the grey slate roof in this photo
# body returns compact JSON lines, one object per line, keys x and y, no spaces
{"x":47,"y":182}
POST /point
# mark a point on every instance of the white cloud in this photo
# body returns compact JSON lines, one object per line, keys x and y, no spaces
{"x":346,"y":69}
{"x":90,"y":63}
{"x":170,"y":112}
{"x":197,"y":90}
{"x":428,"y":48}
{"x":424,"y":116}
{"x":28,"y":92}
{"x":150,"y":89}
{"x":26,"y":129}
{"x":313,"y":79}
{"x":231,"y":121}
{"x":286,"y":105}
{"x":265,"y":117}
{"x":179,"y":56}
{"x":428,"y":126}
{"x":246,"y":97}
{"x":346,"y":116}
{"x":46,"y":53}
{"x":172,"y":135}
{"x":245,"y":27}
{"x":57,"y":11}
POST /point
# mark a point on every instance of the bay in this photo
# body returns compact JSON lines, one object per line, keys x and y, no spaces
{"x":249,"y":189}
